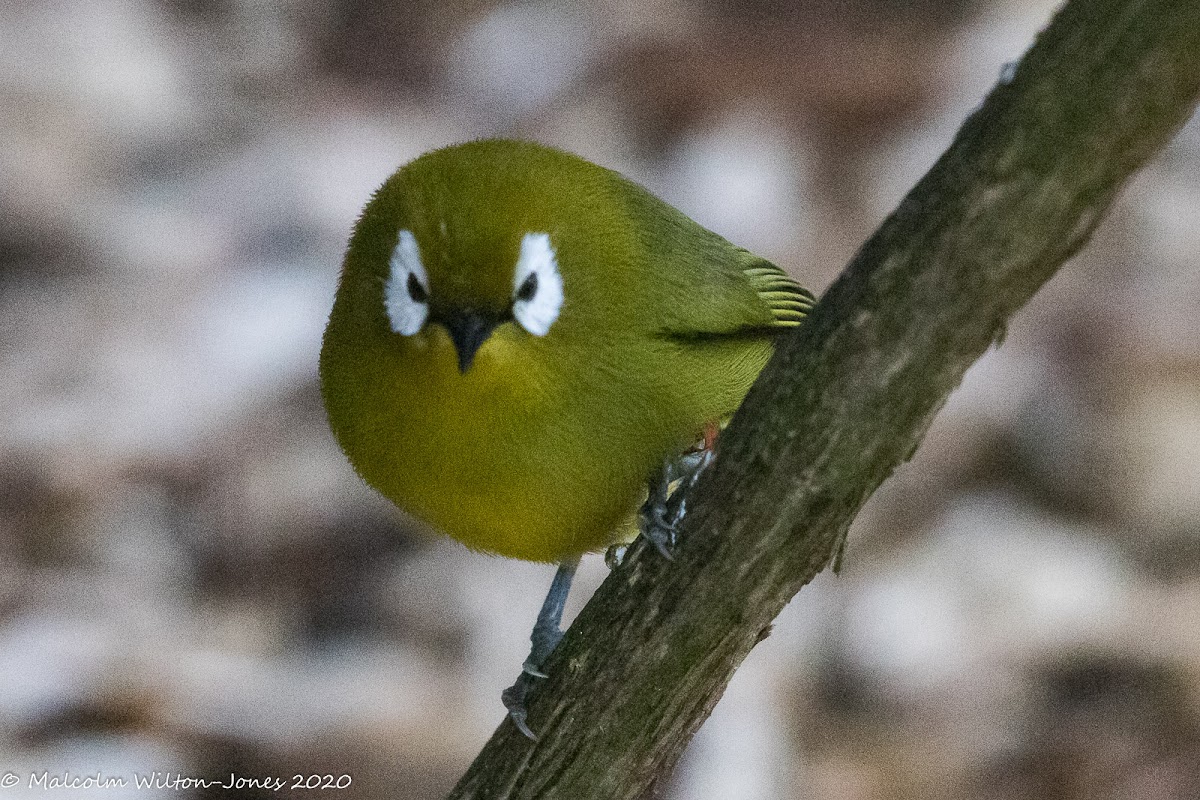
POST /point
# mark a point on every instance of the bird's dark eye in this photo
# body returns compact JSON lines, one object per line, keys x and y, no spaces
{"x":415,"y":290}
{"x":528,"y":287}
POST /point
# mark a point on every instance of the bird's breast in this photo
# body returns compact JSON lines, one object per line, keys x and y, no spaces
{"x":513,"y":456}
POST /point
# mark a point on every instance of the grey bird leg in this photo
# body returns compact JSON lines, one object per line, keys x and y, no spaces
{"x":545,"y":637}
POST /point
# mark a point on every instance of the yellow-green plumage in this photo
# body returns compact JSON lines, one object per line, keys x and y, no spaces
{"x":542,"y":447}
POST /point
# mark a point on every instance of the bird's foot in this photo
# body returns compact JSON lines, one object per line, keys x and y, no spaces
{"x":514,"y":701}
{"x":666,"y":502}
{"x":657,"y":525}
{"x":544,"y":639}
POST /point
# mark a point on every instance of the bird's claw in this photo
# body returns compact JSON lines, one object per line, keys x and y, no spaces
{"x":661,"y":534}
{"x":531,"y":669}
{"x":514,"y":701}
{"x":513,"y":697}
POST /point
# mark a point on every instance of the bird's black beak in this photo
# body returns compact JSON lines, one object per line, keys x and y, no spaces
{"x":468,"y":330}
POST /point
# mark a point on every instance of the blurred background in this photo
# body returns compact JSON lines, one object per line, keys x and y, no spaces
{"x":194,"y":582}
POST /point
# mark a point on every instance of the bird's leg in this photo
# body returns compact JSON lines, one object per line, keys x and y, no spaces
{"x":544,"y":638}
{"x":546,"y":632}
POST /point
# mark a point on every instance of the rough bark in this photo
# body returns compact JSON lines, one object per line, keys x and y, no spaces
{"x":849,"y":396}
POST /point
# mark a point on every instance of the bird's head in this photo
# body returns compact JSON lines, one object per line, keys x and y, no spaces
{"x":486,"y":239}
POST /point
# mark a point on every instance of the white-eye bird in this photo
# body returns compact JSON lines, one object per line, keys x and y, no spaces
{"x":521,"y":340}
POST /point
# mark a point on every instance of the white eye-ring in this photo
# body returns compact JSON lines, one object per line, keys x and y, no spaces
{"x":537,"y":286}
{"x":406,"y":291}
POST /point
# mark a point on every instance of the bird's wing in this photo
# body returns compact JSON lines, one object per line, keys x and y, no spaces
{"x":732,"y":294}
{"x":701,"y":286}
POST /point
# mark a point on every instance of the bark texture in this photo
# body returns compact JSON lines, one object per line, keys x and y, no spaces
{"x":849,"y":397}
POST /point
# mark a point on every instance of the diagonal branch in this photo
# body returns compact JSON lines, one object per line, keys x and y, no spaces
{"x":850,"y":395}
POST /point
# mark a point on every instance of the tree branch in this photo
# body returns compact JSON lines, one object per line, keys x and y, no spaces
{"x":849,"y":397}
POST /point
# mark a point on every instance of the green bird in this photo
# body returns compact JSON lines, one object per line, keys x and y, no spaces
{"x":520,"y":341}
